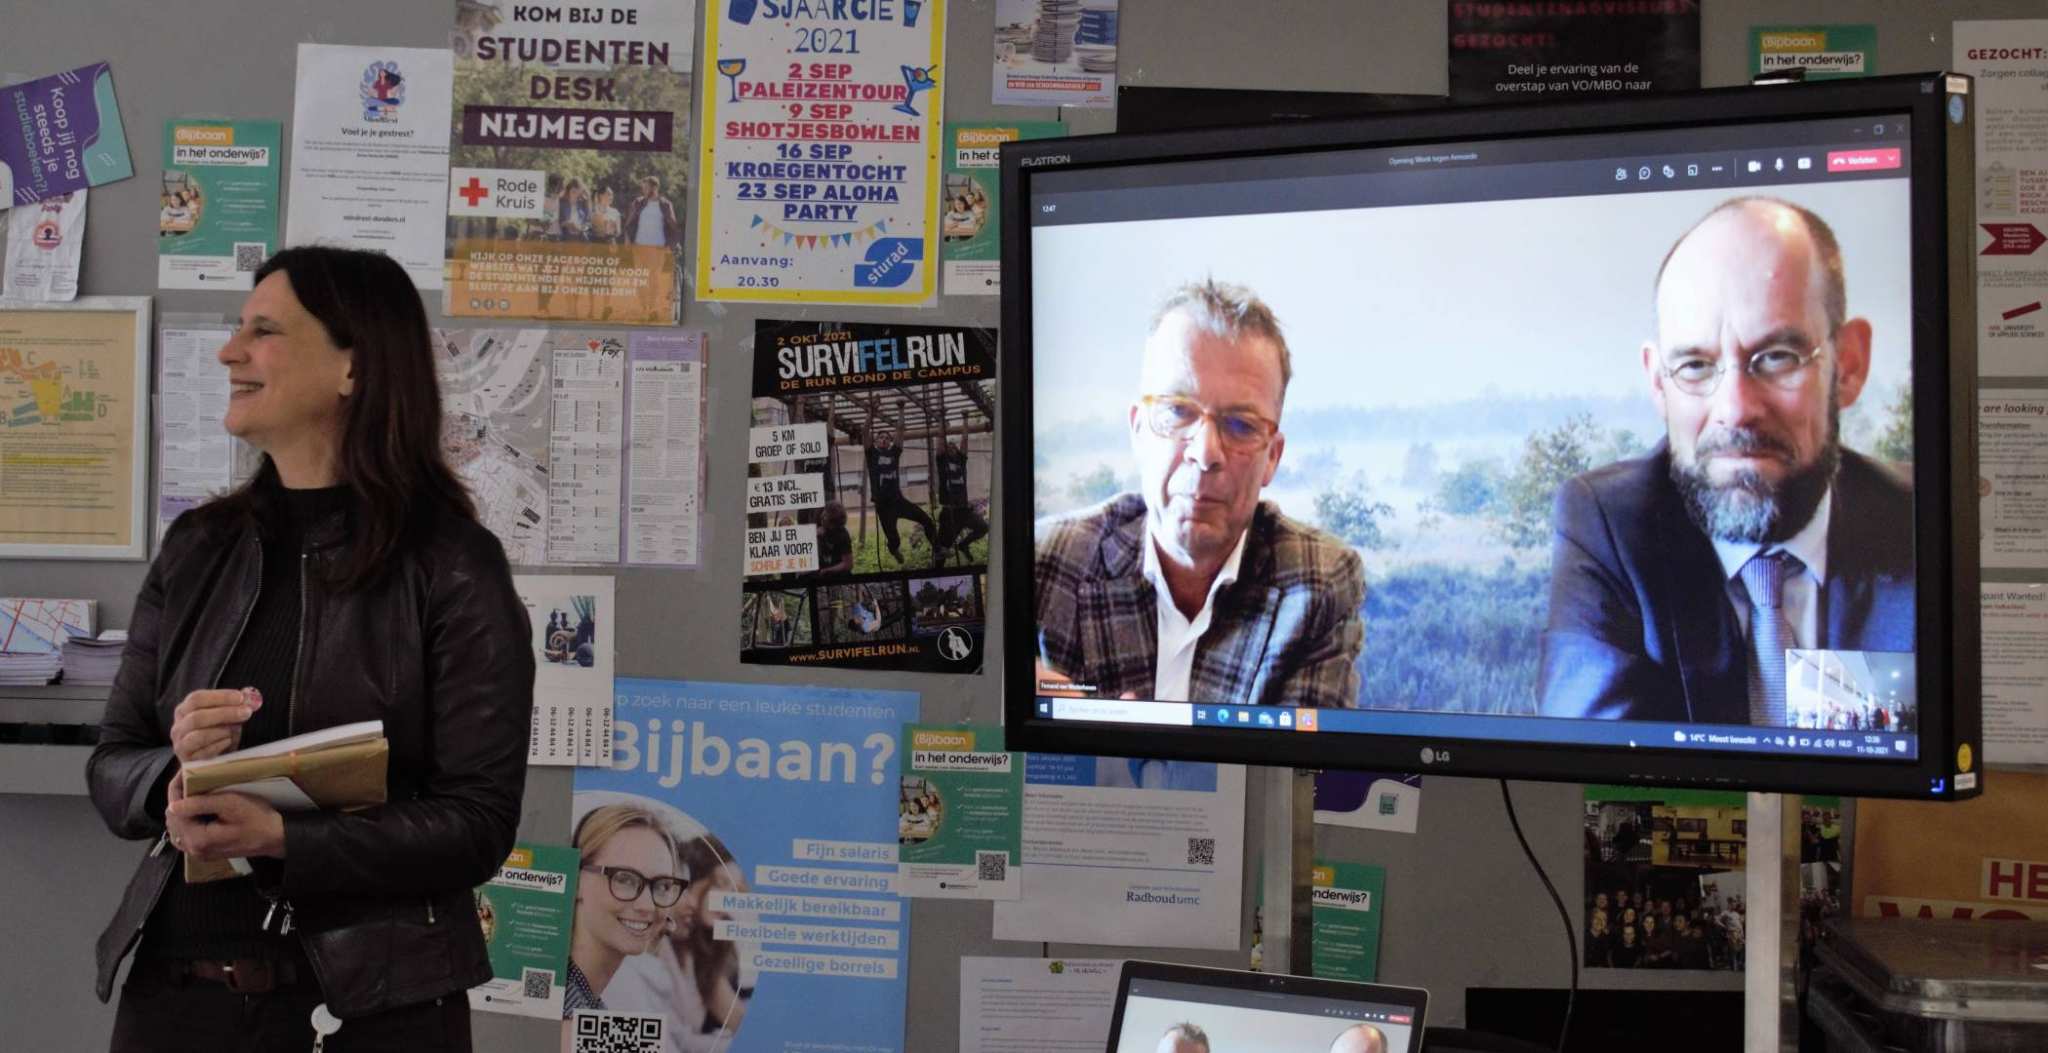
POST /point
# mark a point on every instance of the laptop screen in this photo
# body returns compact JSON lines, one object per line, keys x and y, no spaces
{"x":1167,"y":1016}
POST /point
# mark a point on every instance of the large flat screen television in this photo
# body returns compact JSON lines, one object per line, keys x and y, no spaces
{"x":1596,"y":441}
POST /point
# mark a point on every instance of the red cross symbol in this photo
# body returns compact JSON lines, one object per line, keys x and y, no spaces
{"x":474,"y":192}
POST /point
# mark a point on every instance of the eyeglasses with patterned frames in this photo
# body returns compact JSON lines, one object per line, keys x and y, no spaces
{"x":626,"y":883}
{"x":1781,"y":366}
{"x":1175,"y":417}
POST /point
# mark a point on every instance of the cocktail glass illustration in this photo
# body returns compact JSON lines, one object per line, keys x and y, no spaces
{"x":910,"y":10}
{"x":915,"y":80}
{"x":732,"y":68}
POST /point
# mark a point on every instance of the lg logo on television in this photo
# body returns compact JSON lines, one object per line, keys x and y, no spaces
{"x":1435,"y":756}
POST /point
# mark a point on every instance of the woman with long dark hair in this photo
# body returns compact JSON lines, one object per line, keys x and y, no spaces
{"x":348,"y":581}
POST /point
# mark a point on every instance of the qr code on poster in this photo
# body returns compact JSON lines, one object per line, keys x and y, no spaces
{"x":992,"y":866}
{"x":1201,"y":851}
{"x":537,"y":984}
{"x":249,"y":256}
{"x":604,"y":1031}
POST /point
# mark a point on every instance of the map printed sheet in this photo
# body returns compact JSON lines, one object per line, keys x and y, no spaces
{"x":534,"y":423}
{"x":494,"y":402}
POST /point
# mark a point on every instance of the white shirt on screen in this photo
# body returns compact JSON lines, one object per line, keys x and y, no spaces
{"x":1800,"y":599}
{"x":1178,"y":635}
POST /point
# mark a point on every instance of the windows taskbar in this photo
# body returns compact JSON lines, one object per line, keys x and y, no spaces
{"x":1632,"y":734}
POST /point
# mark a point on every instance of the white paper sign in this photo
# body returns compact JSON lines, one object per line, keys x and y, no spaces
{"x":783,"y":442}
{"x":2009,"y":60}
{"x":1061,"y":1005}
{"x":370,"y":153}
{"x":43,"y":244}
{"x":2012,"y":470}
{"x":786,"y":493}
{"x":2015,"y":673}
{"x":782,"y":550}
{"x":1107,"y":862}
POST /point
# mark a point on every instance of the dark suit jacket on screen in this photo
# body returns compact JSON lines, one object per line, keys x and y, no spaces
{"x":1640,"y":623}
{"x":1287,"y":633}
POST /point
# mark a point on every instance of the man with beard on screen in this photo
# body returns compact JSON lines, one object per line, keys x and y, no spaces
{"x":1678,"y":580}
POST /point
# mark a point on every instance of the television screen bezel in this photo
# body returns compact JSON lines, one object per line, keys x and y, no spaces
{"x":1944,"y":408}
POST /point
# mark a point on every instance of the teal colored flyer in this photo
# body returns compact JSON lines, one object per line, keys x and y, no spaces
{"x":526,"y":913}
{"x":1824,"y":52}
{"x":970,"y":213}
{"x":1346,"y":919}
{"x":960,"y":806}
{"x":217,"y":207}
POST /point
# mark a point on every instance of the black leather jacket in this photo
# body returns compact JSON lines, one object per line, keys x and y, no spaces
{"x":439,"y":651}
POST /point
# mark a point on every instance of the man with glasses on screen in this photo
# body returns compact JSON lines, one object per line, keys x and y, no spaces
{"x":1194,"y":589}
{"x":1679,"y":580}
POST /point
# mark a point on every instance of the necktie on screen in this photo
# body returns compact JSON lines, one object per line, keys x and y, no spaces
{"x":1769,"y":634}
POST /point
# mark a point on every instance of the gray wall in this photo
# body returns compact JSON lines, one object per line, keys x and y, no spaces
{"x":1463,"y":909}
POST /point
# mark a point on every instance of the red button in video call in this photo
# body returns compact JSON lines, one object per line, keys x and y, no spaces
{"x":1863,"y":160}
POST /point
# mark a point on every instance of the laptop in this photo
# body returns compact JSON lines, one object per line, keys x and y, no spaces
{"x":1165,"y":1008}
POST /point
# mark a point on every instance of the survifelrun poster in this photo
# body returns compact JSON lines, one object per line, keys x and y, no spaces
{"x":869,"y":467}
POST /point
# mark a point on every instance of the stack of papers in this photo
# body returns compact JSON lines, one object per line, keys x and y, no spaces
{"x":94,"y":661}
{"x":32,"y":636}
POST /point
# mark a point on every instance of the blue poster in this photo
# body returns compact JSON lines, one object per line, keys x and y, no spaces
{"x":739,"y":863}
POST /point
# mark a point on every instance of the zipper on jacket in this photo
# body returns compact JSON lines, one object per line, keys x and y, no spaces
{"x":222,"y":670}
{"x":291,"y":711}
{"x":430,"y":911}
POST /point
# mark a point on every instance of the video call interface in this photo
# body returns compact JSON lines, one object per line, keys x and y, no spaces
{"x":1165,"y":1017}
{"x":1589,"y":439}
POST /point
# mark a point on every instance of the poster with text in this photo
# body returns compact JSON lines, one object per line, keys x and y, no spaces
{"x":573,"y":626}
{"x":60,"y":133}
{"x":568,"y":159}
{"x":2015,"y":674}
{"x":1130,"y":852}
{"x":741,"y":854}
{"x":1503,"y":52}
{"x":525,"y":912}
{"x":44,"y":243}
{"x":869,"y":467}
{"x":959,"y":812}
{"x":665,"y":449}
{"x":1347,"y":902}
{"x":970,"y":223}
{"x":217,"y":206}
{"x":1369,"y":800}
{"x":370,"y":153}
{"x":1824,"y":52}
{"x":1063,"y":1005}
{"x":1055,"y":53}
{"x":2009,"y":60}
{"x":821,"y":151}
{"x":74,"y":453}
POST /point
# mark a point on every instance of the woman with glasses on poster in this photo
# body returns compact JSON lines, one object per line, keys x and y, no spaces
{"x":630,"y":880}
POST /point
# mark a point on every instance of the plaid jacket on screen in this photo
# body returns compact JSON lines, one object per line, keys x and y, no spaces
{"x":1286,"y":633}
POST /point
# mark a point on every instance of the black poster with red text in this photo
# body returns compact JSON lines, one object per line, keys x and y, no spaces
{"x":1564,"y":49}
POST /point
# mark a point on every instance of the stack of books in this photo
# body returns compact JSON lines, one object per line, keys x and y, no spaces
{"x":33,"y":633}
{"x":94,"y":660}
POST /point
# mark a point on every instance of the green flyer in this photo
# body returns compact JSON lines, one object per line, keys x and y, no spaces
{"x":1346,"y":919}
{"x":968,"y":214}
{"x":217,"y":207}
{"x":526,"y":912}
{"x":1825,"y":52}
{"x":959,"y":813}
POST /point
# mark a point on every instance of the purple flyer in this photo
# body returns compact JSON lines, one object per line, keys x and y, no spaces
{"x":60,"y":133}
